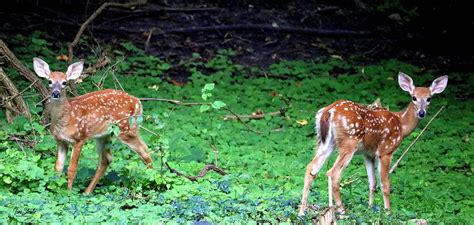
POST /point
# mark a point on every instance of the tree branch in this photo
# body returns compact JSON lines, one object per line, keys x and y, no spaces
{"x":254,"y":116}
{"x":94,"y":15}
{"x":241,"y":121}
{"x":202,"y":173}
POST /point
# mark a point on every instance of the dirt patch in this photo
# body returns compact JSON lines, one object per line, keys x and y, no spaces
{"x":384,"y":37}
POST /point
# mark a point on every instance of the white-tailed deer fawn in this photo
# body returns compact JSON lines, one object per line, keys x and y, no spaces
{"x":74,"y":121}
{"x":375,"y":133}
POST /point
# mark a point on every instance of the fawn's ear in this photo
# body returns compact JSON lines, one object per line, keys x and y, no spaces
{"x":41,"y":68}
{"x":439,"y":84}
{"x":74,"y":70}
{"x":405,"y":82}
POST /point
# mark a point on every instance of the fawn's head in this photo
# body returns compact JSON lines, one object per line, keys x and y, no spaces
{"x":57,"y":80}
{"x":421,"y":96}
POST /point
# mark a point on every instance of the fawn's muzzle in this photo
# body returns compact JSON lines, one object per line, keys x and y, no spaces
{"x":56,"y":94}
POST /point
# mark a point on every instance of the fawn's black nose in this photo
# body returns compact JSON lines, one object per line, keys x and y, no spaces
{"x":421,"y":114}
{"x":56,"y":94}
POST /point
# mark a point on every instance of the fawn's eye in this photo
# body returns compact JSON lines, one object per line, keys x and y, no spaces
{"x":428,"y":100}
{"x":414,"y":98}
{"x":50,"y":82}
{"x":64,"y":83}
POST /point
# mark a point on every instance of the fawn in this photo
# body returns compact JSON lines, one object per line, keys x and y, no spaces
{"x":74,"y":121}
{"x":375,"y":133}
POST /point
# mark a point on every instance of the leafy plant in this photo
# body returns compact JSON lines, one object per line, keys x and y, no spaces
{"x":266,"y":170}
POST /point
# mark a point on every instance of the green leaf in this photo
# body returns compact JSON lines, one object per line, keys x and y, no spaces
{"x":164,"y":66}
{"x":204,"y":96}
{"x":7,"y":179}
{"x":208,"y":87}
{"x":114,"y":130}
{"x":218,"y":104}
{"x":204,"y":108}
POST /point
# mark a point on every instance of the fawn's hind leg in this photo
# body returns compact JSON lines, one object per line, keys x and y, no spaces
{"x":322,"y":154}
{"x":347,"y":148}
{"x":369,"y":166}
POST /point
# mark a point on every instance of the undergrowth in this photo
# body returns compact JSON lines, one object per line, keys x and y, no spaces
{"x":266,"y":169}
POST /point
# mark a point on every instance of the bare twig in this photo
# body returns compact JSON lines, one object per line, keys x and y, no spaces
{"x":414,"y":141}
{"x":101,"y":62}
{"x":10,"y":98}
{"x":216,"y":153}
{"x":26,"y":142}
{"x":176,"y":102}
{"x":253,"y":116}
{"x":268,"y":75}
{"x":241,"y":121}
{"x":202,"y":173}
{"x":147,"y":43}
{"x":349,"y":181}
{"x":257,"y":116}
{"x":94,"y":15}
{"x":150,"y":131}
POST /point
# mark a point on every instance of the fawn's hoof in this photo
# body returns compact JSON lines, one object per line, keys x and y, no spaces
{"x":340,"y":210}
{"x":302,"y":211}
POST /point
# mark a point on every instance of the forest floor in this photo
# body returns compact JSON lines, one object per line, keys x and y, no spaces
{"x":149,"y":27}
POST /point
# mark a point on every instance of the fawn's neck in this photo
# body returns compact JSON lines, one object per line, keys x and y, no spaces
{"x":59,"y":112}
{"x":408,"y":119}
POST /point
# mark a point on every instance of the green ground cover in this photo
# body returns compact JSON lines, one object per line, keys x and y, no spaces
{"x":434,"y":181}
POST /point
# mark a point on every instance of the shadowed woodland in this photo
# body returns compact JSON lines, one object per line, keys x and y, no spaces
{"x":229,"y":92}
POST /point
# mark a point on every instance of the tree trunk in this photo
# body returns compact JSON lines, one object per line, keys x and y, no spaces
{"x":12,"y":100}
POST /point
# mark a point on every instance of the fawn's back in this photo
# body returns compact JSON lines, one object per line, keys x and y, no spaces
{"x":92,"y":114}
{"x":371,"y":127}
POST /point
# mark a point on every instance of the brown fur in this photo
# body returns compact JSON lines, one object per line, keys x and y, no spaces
{"x":90,"y":116}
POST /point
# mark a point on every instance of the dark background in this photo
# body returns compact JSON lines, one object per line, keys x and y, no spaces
{"x":433,"y":34}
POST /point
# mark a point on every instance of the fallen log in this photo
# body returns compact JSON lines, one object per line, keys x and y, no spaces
{"x":237,"y":27}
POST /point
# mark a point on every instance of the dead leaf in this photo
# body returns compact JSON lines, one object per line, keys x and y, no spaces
{"x":257,"y":112}
{"x":177,"y":83}
{"x":302,"y":122}
{"x":62,"y":57}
